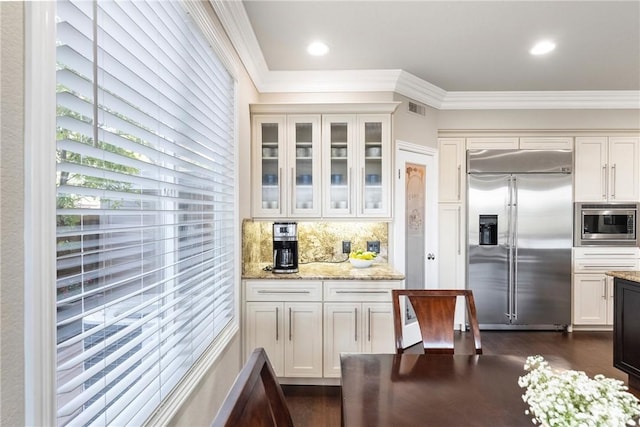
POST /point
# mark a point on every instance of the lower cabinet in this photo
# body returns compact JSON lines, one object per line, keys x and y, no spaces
{"x":592,"y":288}
{"x":286,"y":320}
{"x":355,"y":328}
{"x":626,"y":329}
{"x":593,"y":299}
{"x":305,"y":325}
{"x":291,"y":334}
{"x":358,"y":318}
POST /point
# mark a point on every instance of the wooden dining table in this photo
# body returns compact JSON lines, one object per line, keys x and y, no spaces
{"x":390,"y":390}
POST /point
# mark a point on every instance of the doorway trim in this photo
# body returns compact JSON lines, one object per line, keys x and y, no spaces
{"x":401,"y":149}
{"x":432,"y":209}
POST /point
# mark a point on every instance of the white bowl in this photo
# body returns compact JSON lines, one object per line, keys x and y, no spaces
{"x":360,"y":263}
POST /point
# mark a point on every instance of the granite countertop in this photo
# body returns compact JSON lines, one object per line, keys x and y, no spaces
{"x":633,"y":276}
{"x":325,"y":271}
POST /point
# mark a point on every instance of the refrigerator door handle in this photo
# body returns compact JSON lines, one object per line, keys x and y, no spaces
{"x":509,"y":248}
{"x":514,"y":312}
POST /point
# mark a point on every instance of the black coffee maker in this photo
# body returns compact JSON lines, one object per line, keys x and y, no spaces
{"x":285,"y":247}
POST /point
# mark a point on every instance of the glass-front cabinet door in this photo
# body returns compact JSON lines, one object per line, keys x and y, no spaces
{"x":269,"y":163}
{"x":312,"y":165}
{"x":356,"y":150}
{"x":304,"y":165}
{"x":338,"y":134}
{"x":374,"y":177}
{"x":286,"y":166}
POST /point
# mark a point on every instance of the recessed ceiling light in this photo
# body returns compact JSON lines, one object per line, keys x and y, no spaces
{"x":317,"y":49}
{"x":542,"y":47}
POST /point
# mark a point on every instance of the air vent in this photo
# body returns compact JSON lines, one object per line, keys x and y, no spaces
{"x":416,"y":108}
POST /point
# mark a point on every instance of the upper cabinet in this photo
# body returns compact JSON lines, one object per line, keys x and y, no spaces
{"x":357,"y":172}
{"x":607,"y":169}
{"x":286,"y":156}
{"x":452,"y":169}
{"x":546,"y":143}
{"x":321,"y":165}
{"x":490,"y":143}
{"x":522,"y":143}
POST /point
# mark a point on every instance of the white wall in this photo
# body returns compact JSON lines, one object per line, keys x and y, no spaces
{"x":204,"y":402}
{"x":11,"y":214}
{"x":415,"y":128}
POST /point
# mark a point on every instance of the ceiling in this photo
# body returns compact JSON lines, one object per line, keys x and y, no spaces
{"x":444,"y":48}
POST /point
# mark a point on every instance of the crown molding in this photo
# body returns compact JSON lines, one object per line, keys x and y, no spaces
{"x":325,"y":108}
{"x":541,"y":100}
{"x":420,"y":90}
{"x":330,"y":81}
{"x":234,"y":18}
{"x":236,"y":23}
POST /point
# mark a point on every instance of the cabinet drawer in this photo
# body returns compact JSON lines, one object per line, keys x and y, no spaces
{"x":358,"y":290}
{"x":606,"y":252}
{"x":289,"y":290}
{"x":601,"y":265}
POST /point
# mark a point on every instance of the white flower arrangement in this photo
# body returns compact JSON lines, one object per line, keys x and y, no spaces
{"x":571,"y":398}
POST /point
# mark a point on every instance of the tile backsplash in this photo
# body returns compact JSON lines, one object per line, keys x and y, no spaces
{"x":318,"y":241}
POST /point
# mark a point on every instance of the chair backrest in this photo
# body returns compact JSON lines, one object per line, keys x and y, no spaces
{"x":256,"y":398}
{"x":435,"y":312}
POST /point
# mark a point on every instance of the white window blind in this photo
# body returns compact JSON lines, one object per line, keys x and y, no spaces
{"x":145,"y":205}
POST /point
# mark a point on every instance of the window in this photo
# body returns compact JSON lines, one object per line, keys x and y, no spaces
{"x":145,"y":205}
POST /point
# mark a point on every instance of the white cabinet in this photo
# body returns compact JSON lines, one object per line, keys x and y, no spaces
{"x":546,"y":143}
{"x":500,"y":143}
{"x":452,"y":229}
{"x":285,"y":319}
{"x":451,"y":170}
{"x":593,"y":299}
{"x":607,"y":169}
{"x":452,"y":251}
{"x":358,"y":318}
{"x":286,"y":166}
{"x":522,"y":143}
{"x":314,"y":165}
{"x":357,"y":168}
{"x":592,"y":289}
{"x":452,"y":246}
{"x":304,"y":325}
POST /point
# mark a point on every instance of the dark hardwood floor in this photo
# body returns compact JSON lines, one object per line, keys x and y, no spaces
{"x":592,"y":352}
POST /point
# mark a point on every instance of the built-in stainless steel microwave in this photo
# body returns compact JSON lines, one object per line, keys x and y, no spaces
{"x":605,"y":224}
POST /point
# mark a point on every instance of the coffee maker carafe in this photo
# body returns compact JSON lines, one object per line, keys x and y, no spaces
{"x":285,"y":247}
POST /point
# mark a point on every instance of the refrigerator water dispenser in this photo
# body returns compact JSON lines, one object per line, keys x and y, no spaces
{"x":488,"y":230}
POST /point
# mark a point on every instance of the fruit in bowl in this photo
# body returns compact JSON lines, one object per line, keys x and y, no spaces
{"x":361,"y":259}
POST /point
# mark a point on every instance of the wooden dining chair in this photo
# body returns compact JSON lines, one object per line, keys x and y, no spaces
{"x":435,"y":311}
{"x":256,"y":398}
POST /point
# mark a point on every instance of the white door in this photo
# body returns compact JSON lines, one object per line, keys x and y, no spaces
{"x":415,"y":224}
{"x":342,"y":333}
{"x":264,"y":328}
{"x":303,"y":339}
{"x":377,"y":322}
{"x":624,"y":162}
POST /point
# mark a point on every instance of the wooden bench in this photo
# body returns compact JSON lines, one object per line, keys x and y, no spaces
{"x":256,"y":398}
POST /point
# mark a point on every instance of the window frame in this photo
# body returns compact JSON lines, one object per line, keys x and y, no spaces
{"x":40,"y":213}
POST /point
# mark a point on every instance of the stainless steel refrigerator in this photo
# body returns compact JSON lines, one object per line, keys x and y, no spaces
{"x":520,"y":237}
